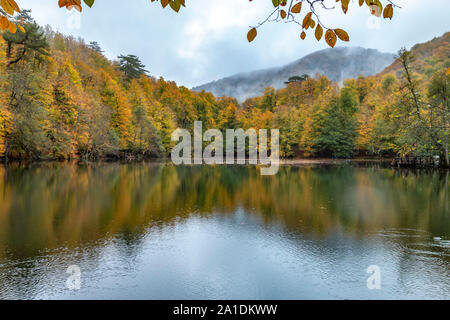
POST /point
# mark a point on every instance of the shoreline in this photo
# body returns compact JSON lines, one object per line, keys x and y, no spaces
{"x":388,"y":162}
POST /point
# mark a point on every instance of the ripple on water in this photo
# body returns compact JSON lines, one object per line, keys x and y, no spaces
{"x":418,"y":242}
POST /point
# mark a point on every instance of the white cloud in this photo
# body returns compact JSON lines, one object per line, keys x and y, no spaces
{"x":207,"y":40}
{"x":210,"y":20}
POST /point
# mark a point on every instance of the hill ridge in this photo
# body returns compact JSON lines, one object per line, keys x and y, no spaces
{"x":244,"y":85}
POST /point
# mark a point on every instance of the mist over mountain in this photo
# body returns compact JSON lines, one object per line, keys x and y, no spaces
{"x":337,"y":64}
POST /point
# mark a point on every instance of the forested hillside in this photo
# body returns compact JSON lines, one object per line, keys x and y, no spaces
{"x":430,"y":57}
{"x":61,"y":98}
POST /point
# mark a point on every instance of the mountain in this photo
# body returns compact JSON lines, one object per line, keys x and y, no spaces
{"x":337,"y":64}
{"x":429,"y":57}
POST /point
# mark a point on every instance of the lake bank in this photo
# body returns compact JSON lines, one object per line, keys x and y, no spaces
{"x":387,"y":162}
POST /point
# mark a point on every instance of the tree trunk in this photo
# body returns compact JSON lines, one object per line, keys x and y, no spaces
{"x":447,"y":164}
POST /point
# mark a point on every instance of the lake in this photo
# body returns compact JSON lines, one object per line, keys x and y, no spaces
{"x":157,"y":231}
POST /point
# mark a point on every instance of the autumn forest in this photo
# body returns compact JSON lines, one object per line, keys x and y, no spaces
{"x":61,"y":98}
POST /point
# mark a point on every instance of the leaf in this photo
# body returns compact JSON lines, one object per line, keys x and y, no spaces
{"x":22,"y":29}
{"x":343,"y":35}
{"x":251,"y":35}
{"x":12,"y":27}
{"x":376,"y":8}
{"x":70,"y":4}
{"x":4,"y":23}
{"x":303,"y":35}
{"x":447,"y":73}
{"x":305,"y":23}
{"x":319,"y":32}
{"x":297,"y":8}
{"x":330,"y":38}
{"x":345,"y":4}
{"x":89,"y":3}
{"x":175,"y":5}
{"x":361,"y":2}
{"x":10,"y":6}
{"x":164,"y":3}
{"x":276,"y":3}
{"x":388,"y":12}
{"x":283,"y":14}
{"x":7,"y":7}
{"x":15,"y":6}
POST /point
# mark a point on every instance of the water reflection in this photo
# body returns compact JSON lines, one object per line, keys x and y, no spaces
{"x":160,"y":231}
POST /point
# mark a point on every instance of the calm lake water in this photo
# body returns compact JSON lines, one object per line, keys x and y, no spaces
{"x":156,"y":231}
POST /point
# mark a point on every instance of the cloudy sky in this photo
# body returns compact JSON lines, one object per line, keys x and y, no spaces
{"x":207,"y":39}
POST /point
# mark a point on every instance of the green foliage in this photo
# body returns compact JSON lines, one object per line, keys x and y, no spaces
{"x":335,"y":127}
{"x":145,"y":138}
{"x":269,"y":100}
{"x":31,"y":44}
{"x":27,"y":135}
{"x":388,"y":83}
{"x":297,"y":79}
{"x":131,"y":66}
{"x":95,"y":46}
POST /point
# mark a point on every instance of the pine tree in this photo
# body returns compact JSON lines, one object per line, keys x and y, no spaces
{"x":95,"y":46}
{"x":131,"y":66}
{"x":32,"y":42}
{"x":294,"y":79}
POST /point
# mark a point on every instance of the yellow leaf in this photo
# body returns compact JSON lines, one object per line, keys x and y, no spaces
{"x":345,"y":5}
{"x":343,"y":35}
{"x":12,"y":27}
{"x":303,"y":35}
{"x":7,"y":7}
{"x":388,"y":12}
{"x":14,"y":5}
{"x":22,"y":29}
{"x":447,"y":73}
{"x":305,"y":23}
{"x":4,"y":23}
{"x":297,"y":8}
{"x":319,"y":32}
{"x":251,"y":35}
{"x":283,"y":14}
{"x":330,"y":38}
